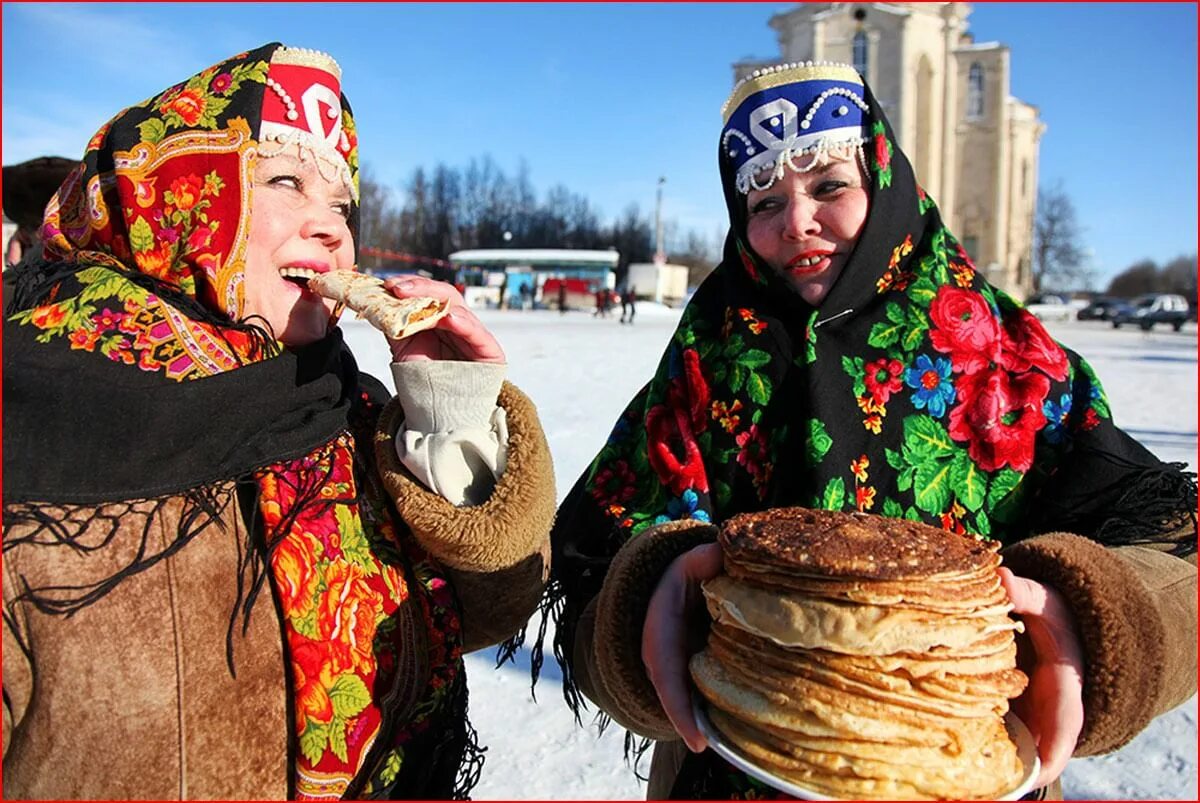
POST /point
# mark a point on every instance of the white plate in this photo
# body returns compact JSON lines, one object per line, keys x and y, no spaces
{"x":1026,"y":751}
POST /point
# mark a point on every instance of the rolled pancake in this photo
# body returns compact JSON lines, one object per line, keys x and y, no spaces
{"x":395,"y":317}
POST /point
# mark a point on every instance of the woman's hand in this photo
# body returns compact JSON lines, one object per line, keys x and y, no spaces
{"x":458,"y":336}
{"x":665,"y":644}
{"x":1052,"y":705}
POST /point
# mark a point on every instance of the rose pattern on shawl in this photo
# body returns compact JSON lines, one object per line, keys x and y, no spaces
{"x":881,"y":155}
{"x":673,"y":427}
{"x":882,"y":379}
{"x":1028,"y":345}
{"x":998,"y":416}
{"x":294,"y":564}
{"x":965,"y":328}
{"x":754,"y":454}
{"x":614,"y":485}
{"x":348,"y":615}
{"x":334,"y":592}
{"x":201,"y":99}
{"x":669,"y":430}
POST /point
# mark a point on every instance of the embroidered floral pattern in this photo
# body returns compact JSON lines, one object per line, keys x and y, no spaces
{"x":881,"y":155}
{"x":340,"y":581}
{"x":126,"y":323}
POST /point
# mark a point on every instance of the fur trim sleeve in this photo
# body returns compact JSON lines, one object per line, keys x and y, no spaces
{"x":1135,"y":656}
{"x":513,"y":524}
{"x":609,"y":650}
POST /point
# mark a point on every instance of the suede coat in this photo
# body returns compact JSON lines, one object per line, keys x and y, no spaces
{"x":160,"y":450}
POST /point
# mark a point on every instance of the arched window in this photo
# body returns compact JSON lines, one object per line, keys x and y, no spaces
{"x":975,"y":92}
{"x":860,"y":53}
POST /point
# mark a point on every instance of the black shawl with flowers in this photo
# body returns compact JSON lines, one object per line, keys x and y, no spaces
{"x":915,"y":390}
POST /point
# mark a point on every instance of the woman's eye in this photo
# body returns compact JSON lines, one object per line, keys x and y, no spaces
{"x":342,"y":209}
{"x":827,"y":188}
{"x":763,"y":205}
{"x":293,"y":182}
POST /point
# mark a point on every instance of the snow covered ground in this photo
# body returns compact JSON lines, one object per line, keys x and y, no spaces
{"x":580,"y":371}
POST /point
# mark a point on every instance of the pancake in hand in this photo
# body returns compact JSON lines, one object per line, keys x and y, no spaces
{"x":395,"y":317}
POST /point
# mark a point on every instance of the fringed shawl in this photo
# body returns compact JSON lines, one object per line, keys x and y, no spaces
{"x":131,"y":376}
{"x":916,"y":390}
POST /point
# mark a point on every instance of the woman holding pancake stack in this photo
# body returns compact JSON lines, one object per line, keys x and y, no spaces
{"x":235,"y":567}
{"x":847,"y":356}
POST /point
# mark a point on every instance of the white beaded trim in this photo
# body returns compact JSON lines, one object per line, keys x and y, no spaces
{"x":288,"y":103}
{"x":330,"y":164}
{"x":307,"y":58}
{"x":828,"y":93}
{"x":747,"y":179}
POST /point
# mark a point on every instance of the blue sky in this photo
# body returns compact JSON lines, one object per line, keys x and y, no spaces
{"x":606,"y":97}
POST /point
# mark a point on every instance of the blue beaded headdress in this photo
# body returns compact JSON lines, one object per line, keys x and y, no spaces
{"x":781,"y":112}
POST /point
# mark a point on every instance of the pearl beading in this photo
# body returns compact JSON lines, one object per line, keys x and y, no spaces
{"x":288,"y":103}
{"x":733,"y":132}
{"x":841,"y":111}
{"x":747,"y":179}
{"x":307,"y":58}
{"x":330,"y":164}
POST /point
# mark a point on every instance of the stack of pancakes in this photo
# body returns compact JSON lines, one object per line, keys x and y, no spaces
{"x":861,"y":656}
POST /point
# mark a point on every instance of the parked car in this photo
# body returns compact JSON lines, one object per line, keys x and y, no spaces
{"x":1147,"y":310}
{"x":1099,"y":309}
{"x":1049,"y":307}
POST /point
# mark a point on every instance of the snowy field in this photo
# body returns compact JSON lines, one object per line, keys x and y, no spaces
{"x":580,"y":371}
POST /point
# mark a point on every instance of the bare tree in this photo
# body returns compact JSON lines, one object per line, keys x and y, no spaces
{"x":699,"y":254}
{"x":1140,"y":277}
{"x":1179,"y":276}
{"x":1057,"y":252}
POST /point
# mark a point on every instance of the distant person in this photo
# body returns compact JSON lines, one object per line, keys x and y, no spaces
{"x":562,"y":296}
{"x":601,"y":303}
{"x":526,"y":296}
{"x":628,"y":304}
{"x":236,"y":566}
{"x":19,"y":246}
{"x":28,"y":187}
{"x":847,"y":355}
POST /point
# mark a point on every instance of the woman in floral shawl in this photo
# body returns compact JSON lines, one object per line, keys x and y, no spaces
{"x":222,"y":577}
{"x":846,"y":355}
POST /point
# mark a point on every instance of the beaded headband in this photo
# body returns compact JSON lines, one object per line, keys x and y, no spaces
{"x":303,"y":106}
{"x":780,"y":112}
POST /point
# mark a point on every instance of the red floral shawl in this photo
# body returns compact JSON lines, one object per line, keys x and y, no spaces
{"x":915,"y":390}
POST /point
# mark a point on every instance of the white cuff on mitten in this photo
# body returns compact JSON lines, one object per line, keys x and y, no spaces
{"x":454,"y":438}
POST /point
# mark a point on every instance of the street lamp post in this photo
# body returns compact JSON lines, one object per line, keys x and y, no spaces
{"x":659,"y":256}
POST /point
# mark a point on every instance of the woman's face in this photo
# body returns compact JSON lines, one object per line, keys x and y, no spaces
{"x":298,"y":228}
{"x":805,"y":225}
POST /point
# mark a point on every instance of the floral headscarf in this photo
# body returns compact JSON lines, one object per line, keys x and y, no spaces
{"x":164,"y":190}
{"x":915,"y":390}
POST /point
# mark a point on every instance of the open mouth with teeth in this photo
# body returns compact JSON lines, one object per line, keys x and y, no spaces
{"x":298,"y":276}
{"x":809,"y":261}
